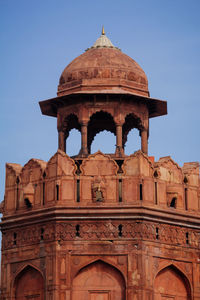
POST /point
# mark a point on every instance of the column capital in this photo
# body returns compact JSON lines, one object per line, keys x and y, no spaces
{"x":84,"y":122}
{"x":60,"y":129}
{"x":144,"y":129}
{"x":119,"y":124}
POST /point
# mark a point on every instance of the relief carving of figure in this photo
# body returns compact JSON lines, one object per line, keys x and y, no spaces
{"x":98,"y":190}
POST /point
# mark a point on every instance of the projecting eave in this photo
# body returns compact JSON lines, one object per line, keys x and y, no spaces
{"x":49,"y":107}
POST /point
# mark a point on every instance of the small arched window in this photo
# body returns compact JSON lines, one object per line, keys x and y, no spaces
{"x":155,"y":174}
{"x":28,"y":203}
{"x":173,"y":202}
{"x":185,"y":180}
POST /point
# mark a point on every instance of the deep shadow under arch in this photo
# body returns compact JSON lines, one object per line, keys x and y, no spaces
{"x":71,"y":122}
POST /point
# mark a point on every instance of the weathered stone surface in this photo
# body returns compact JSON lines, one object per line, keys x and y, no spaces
{"x":101,"y":227}
{"x":104,"y":68}
{"x":66,"y":245}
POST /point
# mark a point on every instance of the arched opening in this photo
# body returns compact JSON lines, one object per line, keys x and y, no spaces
{"x":131,"y":121}
{"x":98,"y":281}
{"x":73,"y":142}
{"x":29,"y":284}
{"x":100,"y":121}
{"x":28,"y":203}
{"x":104,"y":141}
{"x":133,"y":142}
{"x":71,"y":126}
{"x":71,"y":121}
{"x":170,"y":284}
{"x":173,"y":202}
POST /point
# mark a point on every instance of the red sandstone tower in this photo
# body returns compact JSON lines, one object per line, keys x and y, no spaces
{"x":98,"y":226}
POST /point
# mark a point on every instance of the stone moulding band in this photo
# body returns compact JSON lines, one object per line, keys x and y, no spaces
{"x":99,"y":230}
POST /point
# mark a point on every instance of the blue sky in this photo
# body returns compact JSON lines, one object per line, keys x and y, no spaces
{"x":39,"y":38}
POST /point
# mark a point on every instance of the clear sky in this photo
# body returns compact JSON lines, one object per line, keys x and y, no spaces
{"x":39,"y":38}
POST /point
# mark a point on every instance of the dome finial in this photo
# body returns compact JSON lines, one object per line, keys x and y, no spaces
{"x":103,"y":41}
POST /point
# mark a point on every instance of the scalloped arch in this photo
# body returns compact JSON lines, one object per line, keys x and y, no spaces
{"x":136,"y":117}
{"x":99,"y":164}
{"x":138,"y":164}
{"x":60,"y":164}
{"x":100,"y":110}
{"x":167,"y":161}
{"x":170,"y":170}
{"x":71,"y":121}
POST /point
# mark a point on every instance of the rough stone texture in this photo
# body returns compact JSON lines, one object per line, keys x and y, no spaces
{"x":103,"y":69}
{"x":101,"y":227}
{"x":95,"y":245}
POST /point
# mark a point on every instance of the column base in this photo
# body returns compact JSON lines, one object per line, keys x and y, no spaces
{"x":83,"y":153}
{"x":119,"y":151}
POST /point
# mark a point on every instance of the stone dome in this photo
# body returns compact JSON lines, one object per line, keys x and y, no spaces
{"x":103,"y":68}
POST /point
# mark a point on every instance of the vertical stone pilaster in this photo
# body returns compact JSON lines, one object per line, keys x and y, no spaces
{"x":119,"y":150}
{"x":84,"y":148}
{"x":144,"y":141}
{"x":61,"y":141}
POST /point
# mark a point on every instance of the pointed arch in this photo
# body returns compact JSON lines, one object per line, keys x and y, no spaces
{"x":28,"y":265}
{"x":104,"y":260}
{"x":28,"y":282}
{"x":99,"y":279}
{"x":12,"y":173}
{"x":171,"y":281}
{"x":32,"y":170}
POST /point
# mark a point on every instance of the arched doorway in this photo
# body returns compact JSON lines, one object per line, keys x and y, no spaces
{"x":29,"y":284}
{"x":171,"y":284}
{"x":98,"y":281}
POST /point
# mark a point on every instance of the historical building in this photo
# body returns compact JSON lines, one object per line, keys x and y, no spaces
{"x":101,"y":226}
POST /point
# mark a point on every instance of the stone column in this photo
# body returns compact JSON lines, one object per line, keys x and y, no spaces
{"x":144,"y":141}
{"x":61,"y":141}
{"x":84,"y":149}
{"x":119,"y":149}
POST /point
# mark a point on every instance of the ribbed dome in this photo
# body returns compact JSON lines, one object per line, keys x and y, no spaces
{"x":103,"y":69}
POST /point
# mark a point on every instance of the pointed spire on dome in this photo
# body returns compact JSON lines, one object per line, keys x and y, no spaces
{"x":103,"y":42}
